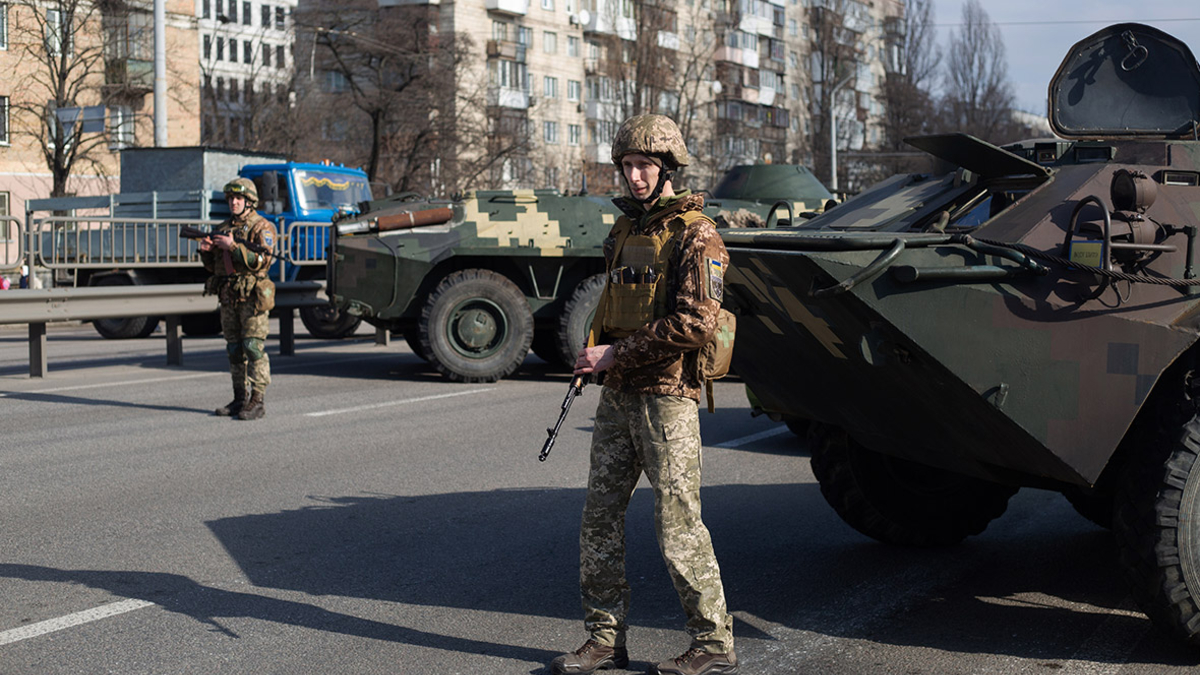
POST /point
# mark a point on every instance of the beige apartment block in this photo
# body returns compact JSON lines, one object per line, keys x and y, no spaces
{"x":741,"y":82}
{"x":112,"y":56}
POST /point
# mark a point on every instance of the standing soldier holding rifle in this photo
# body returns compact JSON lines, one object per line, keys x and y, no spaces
{"x":238,"y":254}
{"x":660,"y":305}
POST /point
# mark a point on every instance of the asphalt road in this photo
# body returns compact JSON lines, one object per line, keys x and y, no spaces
{"x":383,"y":520}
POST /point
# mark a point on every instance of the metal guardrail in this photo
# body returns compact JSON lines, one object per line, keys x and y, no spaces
{"x":37,"y":307}
{"x":12,"y":244}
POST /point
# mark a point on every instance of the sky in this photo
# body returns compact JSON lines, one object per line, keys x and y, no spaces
{"x":1038,"y":33}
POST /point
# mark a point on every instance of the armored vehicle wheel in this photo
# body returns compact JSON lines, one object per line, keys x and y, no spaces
{"x":476,"y":326}
{"x":897,"y":501}
{"x":576,"y":319}
{"x":123,"y":328}
{"x":328,"y":323}
{"x":412,"y":337}
{"x":1154,"y":523}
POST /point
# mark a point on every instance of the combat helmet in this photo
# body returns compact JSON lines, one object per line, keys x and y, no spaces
{"x":653,"y":136}
{"x":244,"y":187}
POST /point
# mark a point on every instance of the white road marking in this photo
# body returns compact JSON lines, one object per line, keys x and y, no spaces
{"x":152,"y":380}
{"x":739,"y":442}
{"x":76,"y":619}
{"x":386,"y":404}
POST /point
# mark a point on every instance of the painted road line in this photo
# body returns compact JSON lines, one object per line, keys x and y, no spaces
{"x":739,"y":442}
{"x":152,"y":380}
{"x":387,"y":404}
{"x":70,"y":620}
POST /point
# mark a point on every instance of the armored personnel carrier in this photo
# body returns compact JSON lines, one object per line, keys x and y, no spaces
{"x":473,"y":284}
{"x":1029,"y":318}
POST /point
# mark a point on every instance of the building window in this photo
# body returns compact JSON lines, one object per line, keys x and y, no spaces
{"x":233,"y":91}
{"x":120,"y":127}
{"x":4,"y":120}
{"x":4,"y":208}
{"x":549,"y":42}
{"x":245,"y":14}
{"x":220,"y":88}
{"x":247,"y":52}
{"x":232,"y":50}
{"x":266,"y":55}
{"x":220,"y":48}
{"x":279,"y":60}
{"x":56,"y":33}
{"x":266,"y":16}
{"x":206,"y":9}
{"x":550,"y":87}
{"x":572,"y":46}
{"x":279,"y":18}
{"x":499,"y":31}
{"x":550,"y":132}
{"x":207,"y":47}
{"x":525,"y":36}
{"x":574,"y":87}
{"x":232,"y":11}
{"x":574,"y":134}
{"x":548,"y":5}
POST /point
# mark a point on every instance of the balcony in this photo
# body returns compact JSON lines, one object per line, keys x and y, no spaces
{"x":507,"y":97}
{"x":744,"y":57}
{"x":128,"y":76}
{"x":511,"y":7}
{"x":505,"y":49}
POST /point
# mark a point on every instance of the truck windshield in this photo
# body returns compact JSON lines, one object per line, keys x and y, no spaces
{"x":328,"y":190}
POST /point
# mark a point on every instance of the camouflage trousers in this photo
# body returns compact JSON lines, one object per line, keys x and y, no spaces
{"x":245,"y":333}
{"x":658,"y":435}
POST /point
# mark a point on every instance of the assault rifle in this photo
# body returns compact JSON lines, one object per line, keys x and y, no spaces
{"x":189,"y":232}
{"x":573,"y":391}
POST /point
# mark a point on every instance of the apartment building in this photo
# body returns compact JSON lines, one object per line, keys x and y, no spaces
{"x":246,"y":57}
{"x":104,"y":55}
{"x":748,"y":80}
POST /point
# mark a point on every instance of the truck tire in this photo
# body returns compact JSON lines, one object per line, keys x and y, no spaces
{"x":1154,"y":523}
{"x":476,"y":326}
{"x":898,"y":501}
{"x":123,"y":328}
{"x":329,"y":323}
{"x":576,"y":319}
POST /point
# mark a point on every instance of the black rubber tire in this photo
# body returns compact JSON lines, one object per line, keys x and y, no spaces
{"x":897,"y":501}
{"x":123,"y":328}
{"x":328,"y":323}
{"x":412,"y":337}
{"x":201,"y":325}
{"x":476,"y":326}
{"x":1161,"y":558}
{"x":576,"y":318}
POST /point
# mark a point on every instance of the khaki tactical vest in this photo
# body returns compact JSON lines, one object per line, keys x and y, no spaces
{"x":636,"y":294}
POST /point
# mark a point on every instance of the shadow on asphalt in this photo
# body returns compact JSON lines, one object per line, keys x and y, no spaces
{"x":786,"y":560}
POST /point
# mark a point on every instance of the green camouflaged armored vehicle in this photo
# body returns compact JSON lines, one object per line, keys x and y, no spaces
{"x":474,"y":284}
{"x":1030,"y":318}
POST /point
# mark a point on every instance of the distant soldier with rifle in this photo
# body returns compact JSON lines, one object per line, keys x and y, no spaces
{"x":238,"y":253}
{"x":660,"y":306}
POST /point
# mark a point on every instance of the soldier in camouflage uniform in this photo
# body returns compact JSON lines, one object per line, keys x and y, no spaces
{"x":665,"y":266}
{"x":238,"y":254}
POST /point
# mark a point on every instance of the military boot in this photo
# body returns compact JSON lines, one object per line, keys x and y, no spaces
{"x":254,"y":407}
{"x":696,"y":661}
{"x":234,"y":407}
{"x":589,"y":658}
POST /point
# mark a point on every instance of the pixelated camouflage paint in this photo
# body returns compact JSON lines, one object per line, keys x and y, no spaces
{"x":1019,"y":380}
{"x":544,"y":241}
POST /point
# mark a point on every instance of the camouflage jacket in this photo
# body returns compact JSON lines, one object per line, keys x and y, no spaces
{"x":252,"y":228}
{"x":660,"y":357}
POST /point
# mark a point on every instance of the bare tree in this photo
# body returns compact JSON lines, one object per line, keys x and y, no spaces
{"x":834,"y":71}
{"x":909,"y":106}
{"x":61,"y":49}
{"x":978,"y":96}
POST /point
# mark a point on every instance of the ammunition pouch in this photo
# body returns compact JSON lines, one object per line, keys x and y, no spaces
{"x":240,"y":288}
